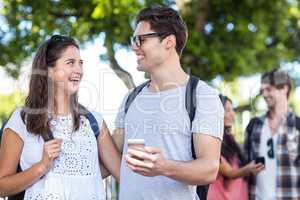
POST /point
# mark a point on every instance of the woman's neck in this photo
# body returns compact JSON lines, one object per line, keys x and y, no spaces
{"x":61,"y":104}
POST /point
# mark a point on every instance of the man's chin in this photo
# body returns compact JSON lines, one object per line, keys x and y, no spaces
{"x":270,"y":107}
{"x":141,"y":68}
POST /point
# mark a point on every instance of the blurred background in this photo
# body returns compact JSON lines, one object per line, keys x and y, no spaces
{"x":231,"y":42}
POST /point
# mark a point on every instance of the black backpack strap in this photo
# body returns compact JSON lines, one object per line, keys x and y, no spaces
{"x":298,"y":123}
{"x":93,"y":123}
{"x":191,"y":103}
{"x":91,"y":118}
{"x":2,"y":129}
{"x":133,"y":94}
{"x":19,"y":196}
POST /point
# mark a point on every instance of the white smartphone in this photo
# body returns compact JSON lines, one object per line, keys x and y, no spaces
{"x":136,"y":142}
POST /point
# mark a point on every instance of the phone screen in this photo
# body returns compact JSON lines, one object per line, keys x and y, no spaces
{"x":260,"y":160}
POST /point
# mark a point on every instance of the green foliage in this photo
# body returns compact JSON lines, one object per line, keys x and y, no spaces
{"x":9,"y":103}
{"x":240,"y":37}
{"x":226,"y":38}
{"x":29,"y":22}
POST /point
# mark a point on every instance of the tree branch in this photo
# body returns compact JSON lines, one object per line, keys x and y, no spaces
{"x":202,"y":15}
{"x":65,"y":15}
{"x":120,"y":72}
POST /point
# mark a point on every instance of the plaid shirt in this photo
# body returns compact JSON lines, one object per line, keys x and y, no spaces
{"x":287,"y":157}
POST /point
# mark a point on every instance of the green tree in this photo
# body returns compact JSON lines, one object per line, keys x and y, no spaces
{"x":235,"y":38}
{"x":29,"y":22}
{"x":226,"y":38}
{"x":9,"y":103}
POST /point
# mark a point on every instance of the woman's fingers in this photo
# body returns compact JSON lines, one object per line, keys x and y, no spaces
{"x":52,"y":149}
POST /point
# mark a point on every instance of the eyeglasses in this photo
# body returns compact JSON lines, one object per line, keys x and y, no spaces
{"x":139,"y":39}
{"x":270,"y":144}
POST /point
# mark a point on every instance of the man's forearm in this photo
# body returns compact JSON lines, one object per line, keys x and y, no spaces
{"x":118,"y":138}
{"x":195,"y":172}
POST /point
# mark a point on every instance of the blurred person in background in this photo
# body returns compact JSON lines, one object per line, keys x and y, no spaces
{"x":274,"y":137}
{"x":231,"y":183}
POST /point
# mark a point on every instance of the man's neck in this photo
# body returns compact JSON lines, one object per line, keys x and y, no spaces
{"x":279,"y":110}
{"x":167,"y":76}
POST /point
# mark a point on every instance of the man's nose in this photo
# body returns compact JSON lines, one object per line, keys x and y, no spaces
{"x":134,"y":47}
{"x":265,"y":94}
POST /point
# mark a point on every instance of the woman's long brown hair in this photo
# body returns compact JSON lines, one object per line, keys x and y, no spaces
{"x":35,"y":112}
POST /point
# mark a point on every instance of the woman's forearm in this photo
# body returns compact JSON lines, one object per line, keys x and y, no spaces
{"x":235,"y":173}
{"x":16,"y":183}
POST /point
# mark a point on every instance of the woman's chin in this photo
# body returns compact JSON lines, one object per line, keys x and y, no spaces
{"x":72,"y":90}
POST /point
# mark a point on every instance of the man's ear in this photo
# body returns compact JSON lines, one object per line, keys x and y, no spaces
{"x":170,"y":41}
{"x":286,"y":89}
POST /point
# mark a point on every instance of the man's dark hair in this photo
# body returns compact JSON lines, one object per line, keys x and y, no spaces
{"x":165,"y":20}
{"x":277,"y":78}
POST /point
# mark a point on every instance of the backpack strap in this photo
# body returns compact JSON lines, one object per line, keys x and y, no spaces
{"x":93,"y":123}
{"x":133,"y":94}
{"x":91,"y":118}
{"x":191,"y":103}
{"x":298,"y":123}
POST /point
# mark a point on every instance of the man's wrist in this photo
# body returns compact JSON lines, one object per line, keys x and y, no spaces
{"x":168,"y":168}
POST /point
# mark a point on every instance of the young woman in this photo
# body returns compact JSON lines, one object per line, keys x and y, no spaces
{"x":231,"y":183}
{"x":52,"y":138}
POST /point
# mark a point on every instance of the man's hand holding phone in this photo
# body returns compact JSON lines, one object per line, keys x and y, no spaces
{"x":146,"y":161}
{"x":136,"y":144}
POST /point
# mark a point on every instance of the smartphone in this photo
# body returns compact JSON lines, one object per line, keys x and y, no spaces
{"x":136,"y":143}
{"x":260,"y":160}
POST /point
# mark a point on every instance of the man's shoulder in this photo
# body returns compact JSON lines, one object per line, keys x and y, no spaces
{"x":204,"y":89}
{"x":259,"y":118}
{"x":255,"y":121}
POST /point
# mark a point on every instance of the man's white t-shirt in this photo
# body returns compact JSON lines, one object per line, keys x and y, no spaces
{"x":266,"y":179}
{"x":161,"y":119}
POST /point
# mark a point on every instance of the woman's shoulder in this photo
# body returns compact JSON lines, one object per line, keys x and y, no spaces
{"x":16,"y":115}
{"x":16,"y":123}
{"x":96,"y":114}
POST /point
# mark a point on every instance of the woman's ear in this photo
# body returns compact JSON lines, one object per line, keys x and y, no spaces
{"x":50,"y":72}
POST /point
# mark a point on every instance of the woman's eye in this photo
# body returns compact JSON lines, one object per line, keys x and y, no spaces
{"x":70,"y":62}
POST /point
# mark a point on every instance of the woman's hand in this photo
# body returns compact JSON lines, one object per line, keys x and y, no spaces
{"x":253,"y":168}
{"x":51,"y":151}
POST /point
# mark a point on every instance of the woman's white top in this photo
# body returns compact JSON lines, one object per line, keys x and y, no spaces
{"x":75,"y":174}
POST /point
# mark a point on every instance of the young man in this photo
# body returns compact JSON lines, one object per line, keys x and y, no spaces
{"x":165,"y":168}
{"x":275,"y":137}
